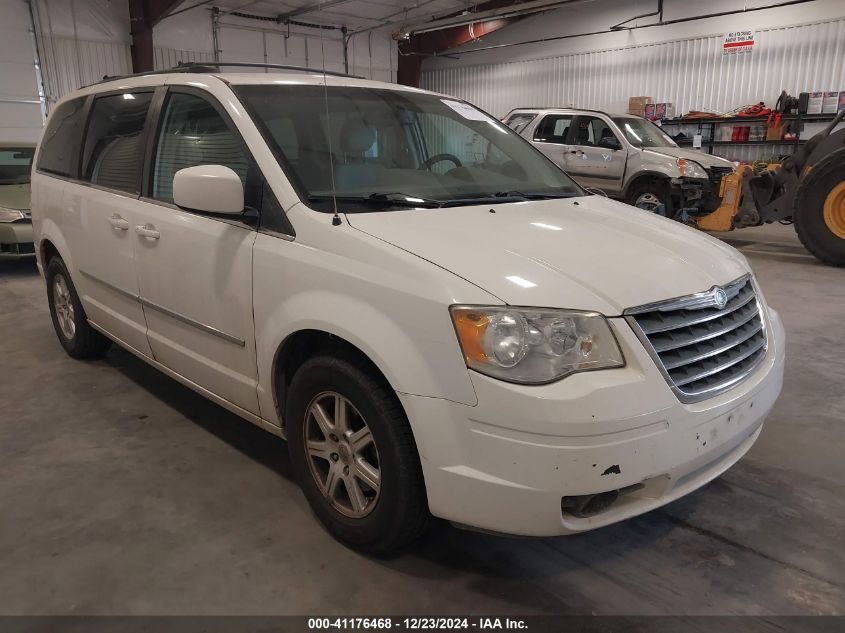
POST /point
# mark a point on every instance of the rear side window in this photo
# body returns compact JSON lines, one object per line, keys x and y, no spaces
{"x":554,"y":128}
{"x":193,"y":133}
{"x":60,"y":144}
{"x":114,"y":145}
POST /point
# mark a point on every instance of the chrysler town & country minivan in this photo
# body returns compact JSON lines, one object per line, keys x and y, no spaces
{"x":435,"y":316}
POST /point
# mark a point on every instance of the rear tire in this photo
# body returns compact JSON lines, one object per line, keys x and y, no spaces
{"x":820,"y":229}
{"x":395,"y":511}
{"x":78,"y":338}
{"x":650,"y":193}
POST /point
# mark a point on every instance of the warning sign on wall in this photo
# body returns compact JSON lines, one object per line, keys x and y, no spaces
{"x":738,"y":42}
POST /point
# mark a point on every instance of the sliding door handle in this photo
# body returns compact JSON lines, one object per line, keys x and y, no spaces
{"x":147,"y":230}
{"x":118,"y":222}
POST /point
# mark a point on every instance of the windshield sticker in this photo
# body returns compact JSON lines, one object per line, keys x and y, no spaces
{"x":466,"y":110}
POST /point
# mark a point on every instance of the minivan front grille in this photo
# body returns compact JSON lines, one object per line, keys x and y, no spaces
{"x":705,"y":343}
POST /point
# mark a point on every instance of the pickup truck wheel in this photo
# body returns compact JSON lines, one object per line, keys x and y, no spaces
{"x":648,"y":196}
{"x":819,"y":211}
{"x":78,"y":338}
{"x":354,"y":455}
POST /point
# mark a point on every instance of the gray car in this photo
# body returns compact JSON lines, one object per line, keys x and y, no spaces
{"x":15,"y":216}
{"x":626,"y":157}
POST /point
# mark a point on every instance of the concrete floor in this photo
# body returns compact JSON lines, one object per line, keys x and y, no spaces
{"x":123,"y":492}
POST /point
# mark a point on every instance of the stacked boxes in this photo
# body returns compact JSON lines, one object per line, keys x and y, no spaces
{"x":637,"y":105}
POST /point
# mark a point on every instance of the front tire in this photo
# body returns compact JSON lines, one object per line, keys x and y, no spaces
{"x":78,"y":338}
{"x":819,"y":212}
{"x":354,"y":455}
{"x":650,"y":195}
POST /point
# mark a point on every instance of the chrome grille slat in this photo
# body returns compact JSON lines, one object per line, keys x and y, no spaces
{"x":675,"y":343}
{"x":673,"y":324}
{"x":725,"y":365}
{"x":713,"y":352}
{"x":703,"y":348}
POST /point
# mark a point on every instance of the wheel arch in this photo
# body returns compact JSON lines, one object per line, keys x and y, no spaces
{"x":642,"y":177}
{"x":51,"y":244}
{"x":307,"y":343}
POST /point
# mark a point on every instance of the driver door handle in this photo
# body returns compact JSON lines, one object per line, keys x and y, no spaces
{"x":147,"y":230}
{"x":118,"y":222}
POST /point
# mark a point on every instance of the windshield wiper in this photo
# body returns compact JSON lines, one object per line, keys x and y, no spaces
{"x":534,"y":195}
{"x":392,"y":199}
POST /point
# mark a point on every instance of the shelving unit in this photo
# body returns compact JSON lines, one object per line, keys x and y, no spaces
{"x":709,"y":140}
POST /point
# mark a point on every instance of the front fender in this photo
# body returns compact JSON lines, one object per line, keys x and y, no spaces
{"x":392,"y":306}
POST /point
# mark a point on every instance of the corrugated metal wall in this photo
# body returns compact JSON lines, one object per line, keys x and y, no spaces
{"x":692,"y":74}
{"x":69,"y":63}
{"x":170,"y":57}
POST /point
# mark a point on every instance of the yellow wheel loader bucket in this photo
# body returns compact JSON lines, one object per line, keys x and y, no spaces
{"x":730,"y":192}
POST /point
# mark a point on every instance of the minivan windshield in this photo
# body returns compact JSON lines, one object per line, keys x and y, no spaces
{"x":642,"y":133}
{"x":380,"y":149}
{"x":15,"y":165}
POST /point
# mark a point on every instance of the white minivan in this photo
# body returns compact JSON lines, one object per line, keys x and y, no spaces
{"x":436,"y":317}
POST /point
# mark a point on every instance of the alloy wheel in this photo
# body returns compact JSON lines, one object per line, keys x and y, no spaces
{"x":342,"y":454}
{"x":648,"y":202}
{"x":63,"y":304}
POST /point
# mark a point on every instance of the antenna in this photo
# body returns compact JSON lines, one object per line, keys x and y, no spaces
{"x":336,"y":221}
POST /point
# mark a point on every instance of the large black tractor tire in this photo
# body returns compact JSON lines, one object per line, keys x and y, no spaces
{"x":819,"y":211}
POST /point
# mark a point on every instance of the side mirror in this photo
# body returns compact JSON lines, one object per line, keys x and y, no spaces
{"x":209,"y":188}
{"x":610,"y":142}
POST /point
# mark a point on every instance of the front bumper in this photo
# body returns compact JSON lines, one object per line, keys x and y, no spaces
{"x":506,"y":464}
{"x":16,"y":240}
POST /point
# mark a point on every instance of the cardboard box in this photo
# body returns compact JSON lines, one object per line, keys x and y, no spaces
{"x":841,"y":101}
{"x":636,"y":105}
{"x":830,"y":102}
{"x":814,"y":106}
{"x":664,"y":111}
{"x":649,"y":111}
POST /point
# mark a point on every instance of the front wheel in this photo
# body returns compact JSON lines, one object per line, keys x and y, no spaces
{"x":653,"y":196}
{"x":354,"y":455}
{"x":819,"y":212}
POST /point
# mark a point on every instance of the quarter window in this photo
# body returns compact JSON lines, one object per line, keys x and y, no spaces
{"x":193,"y":133}
{"x":114,"y":145}
{"x":518,"y":122}
{"x":59,"y":152}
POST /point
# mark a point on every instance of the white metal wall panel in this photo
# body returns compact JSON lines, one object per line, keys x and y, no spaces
{"x":69,"y":64}
{"x":169,"y":57}
{"x":692,"y":74}
{"x":20,"y":107}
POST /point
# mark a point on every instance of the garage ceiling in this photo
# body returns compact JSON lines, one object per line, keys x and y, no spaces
{"x":354,"y":14}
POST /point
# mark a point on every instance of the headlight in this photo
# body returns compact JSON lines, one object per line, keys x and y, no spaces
{"x":691,"y":169}
{"x":10,"y":215}
{"x":534,"y":346}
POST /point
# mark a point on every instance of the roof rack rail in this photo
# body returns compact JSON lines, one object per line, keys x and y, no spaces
{"x":214,"y":67}
{"x":205,"y":66}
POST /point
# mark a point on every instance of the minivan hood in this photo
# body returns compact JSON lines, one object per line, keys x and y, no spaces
{"x":586,"y":253}
{"x":705,"y":160}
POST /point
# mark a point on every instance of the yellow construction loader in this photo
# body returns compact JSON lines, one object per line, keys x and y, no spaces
{"x":807,"y":189}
